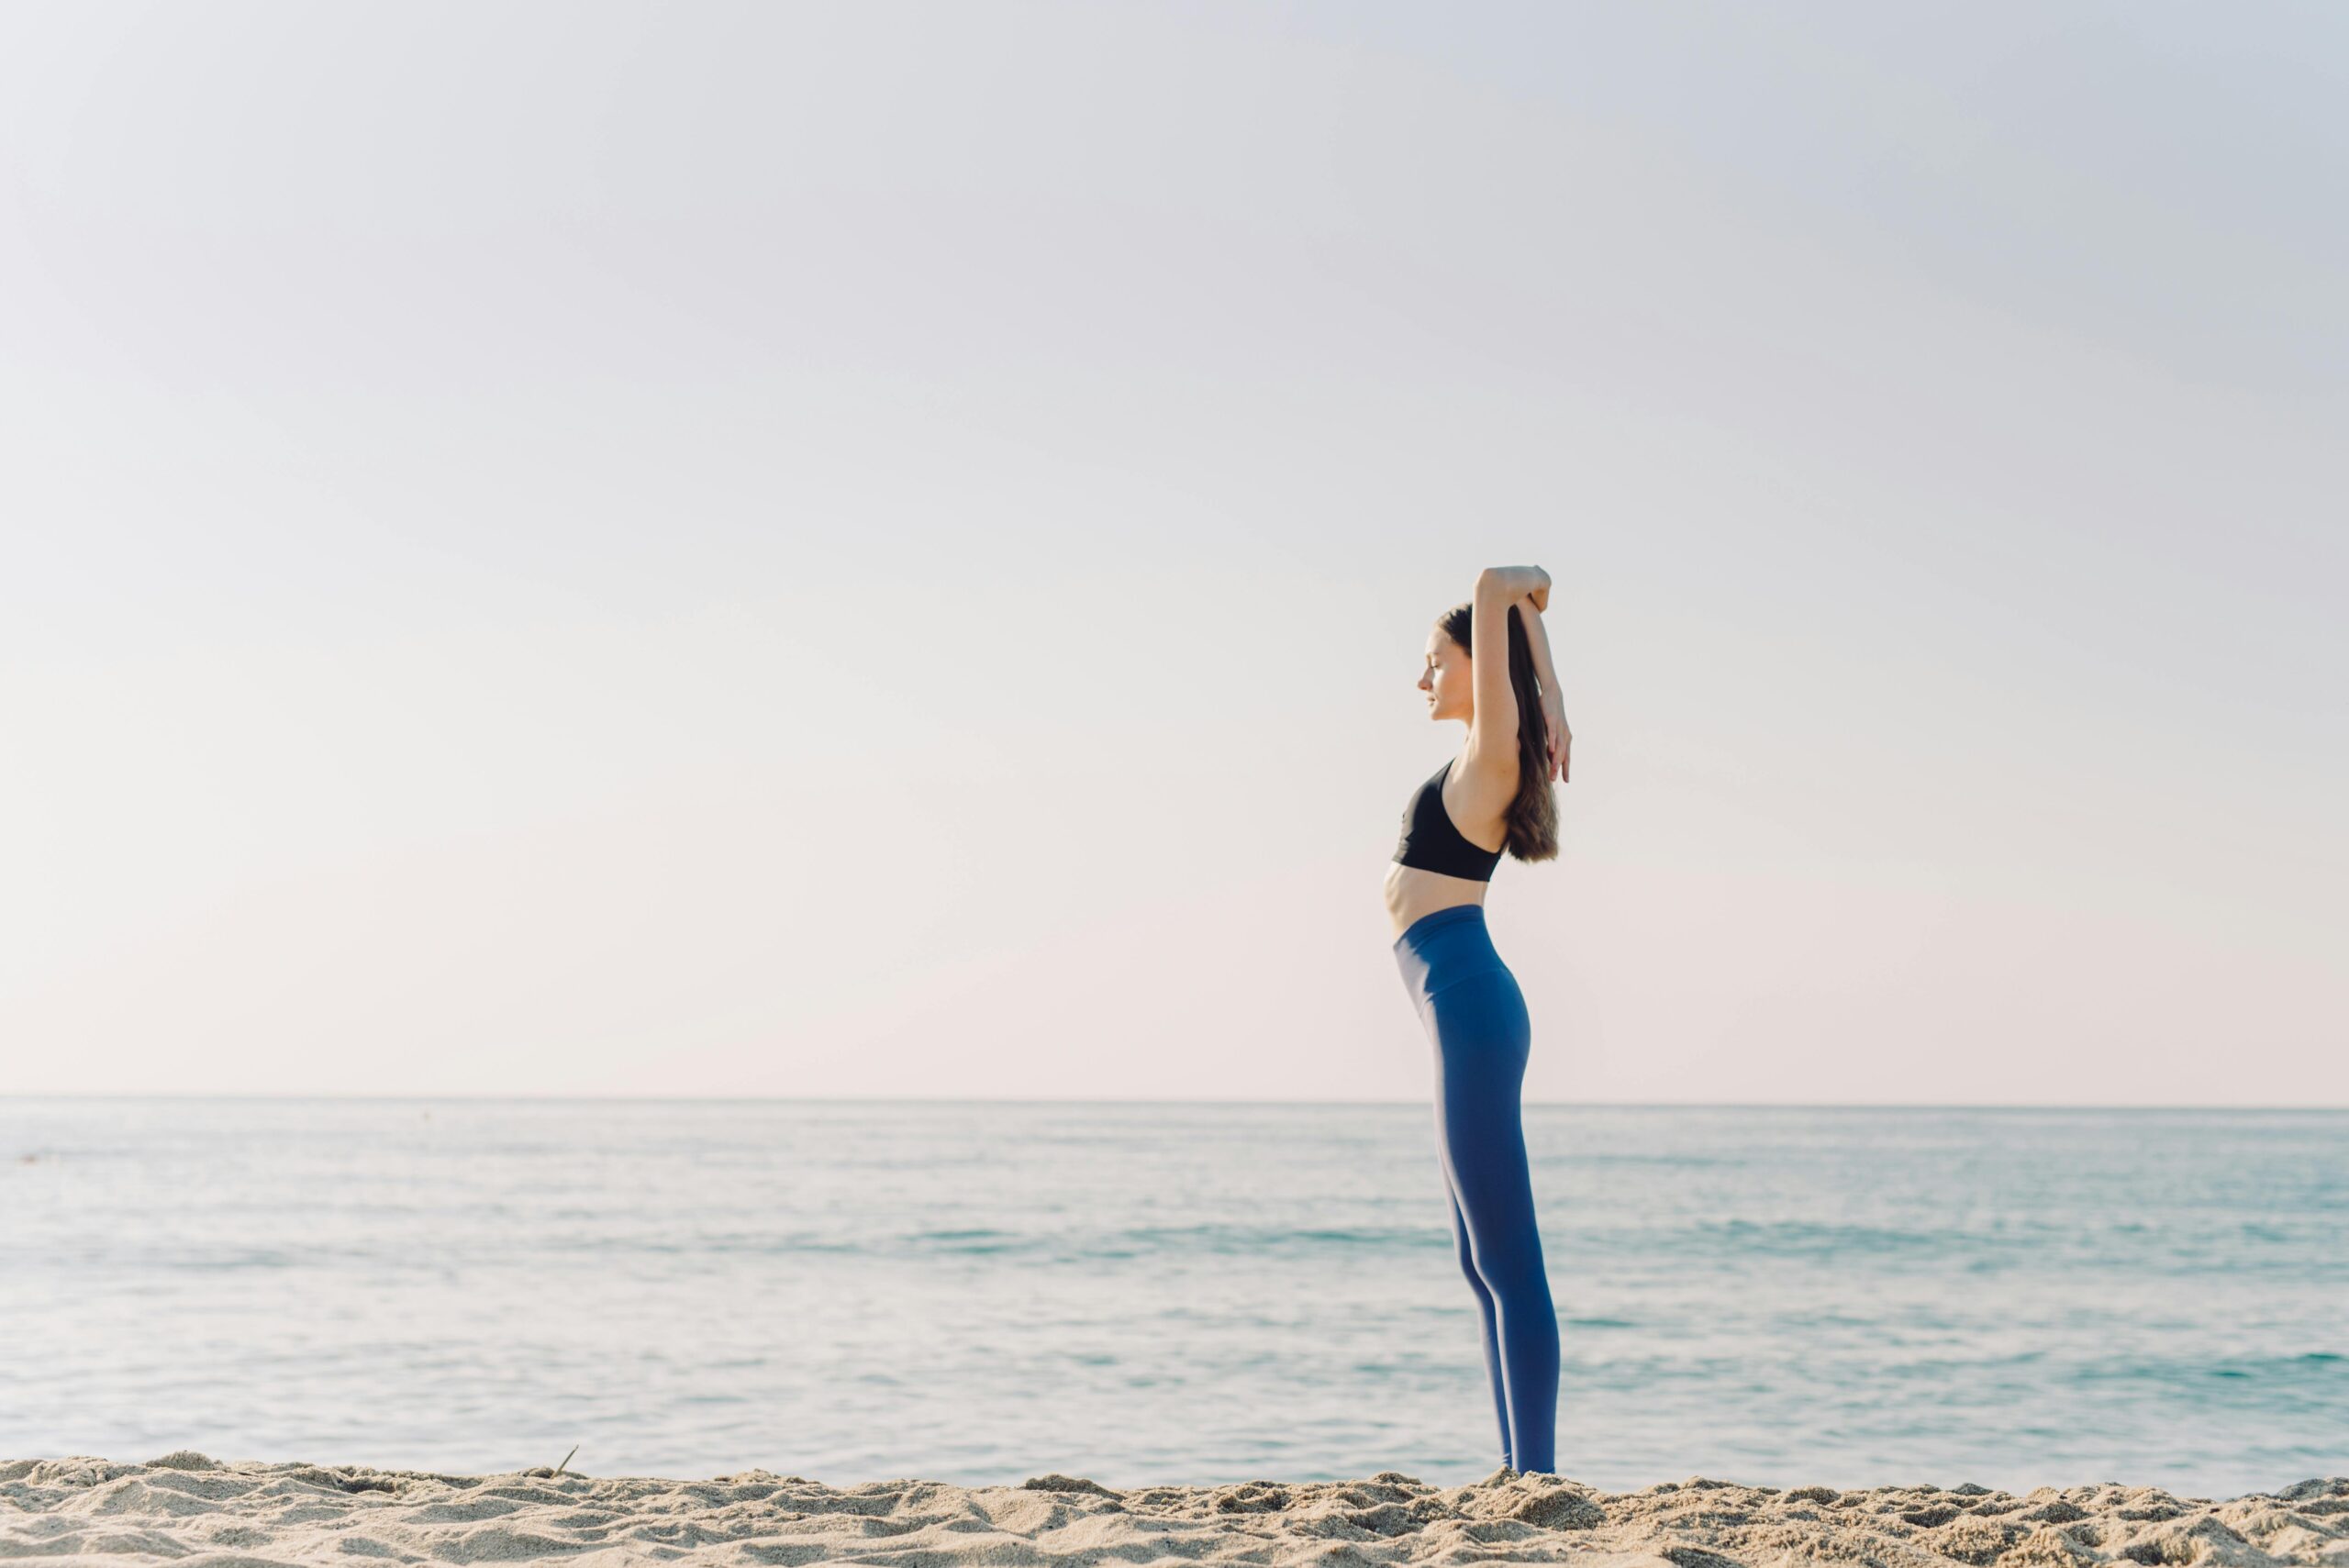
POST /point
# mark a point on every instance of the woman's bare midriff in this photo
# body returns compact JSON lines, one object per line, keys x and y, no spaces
{"x":1415,"y":892}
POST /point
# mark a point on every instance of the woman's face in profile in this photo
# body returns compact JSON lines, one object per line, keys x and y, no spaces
{"x":1446,"y":678}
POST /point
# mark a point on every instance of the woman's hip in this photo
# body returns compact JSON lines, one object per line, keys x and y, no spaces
{"x":1472,"y":1007}
{"x":1447,"y":949}
{"x":1482,"y":1011}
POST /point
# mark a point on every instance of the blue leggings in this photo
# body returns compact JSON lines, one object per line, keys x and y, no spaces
{"x":1475,"y":1017}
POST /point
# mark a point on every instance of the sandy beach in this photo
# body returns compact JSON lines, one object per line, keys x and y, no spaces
{"x":186,"y":1508}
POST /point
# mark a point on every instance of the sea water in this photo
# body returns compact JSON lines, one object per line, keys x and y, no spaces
{"x":978,"y":1293}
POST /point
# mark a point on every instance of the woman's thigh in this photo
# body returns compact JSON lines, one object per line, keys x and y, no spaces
{"x":1483,"y":1039}
{"x":1482,"y":1033}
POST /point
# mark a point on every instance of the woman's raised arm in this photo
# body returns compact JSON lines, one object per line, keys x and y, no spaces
{"x":1553,"y":712}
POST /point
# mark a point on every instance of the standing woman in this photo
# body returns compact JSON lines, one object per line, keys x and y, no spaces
{"x":1488,"y":665}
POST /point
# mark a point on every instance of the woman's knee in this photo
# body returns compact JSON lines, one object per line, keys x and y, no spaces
{"x":1468,"y":1270}
{"x":1515,"y":1273}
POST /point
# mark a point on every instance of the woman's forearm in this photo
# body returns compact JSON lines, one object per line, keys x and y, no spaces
{"x":1537,"y":639}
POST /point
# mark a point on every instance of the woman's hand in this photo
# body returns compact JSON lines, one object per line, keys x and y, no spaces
{"x":1531,"y":582}
{"x":1560,"y":739}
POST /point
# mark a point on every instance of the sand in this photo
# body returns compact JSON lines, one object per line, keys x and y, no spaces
{"x":188,"y":1509}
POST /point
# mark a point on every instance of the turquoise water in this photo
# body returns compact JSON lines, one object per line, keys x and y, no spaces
{"x":977,"y":1293}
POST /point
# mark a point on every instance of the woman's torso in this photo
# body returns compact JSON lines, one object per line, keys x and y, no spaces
{"x":1475,"y":808}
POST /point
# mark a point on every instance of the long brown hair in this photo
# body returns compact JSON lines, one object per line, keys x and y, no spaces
{"x":1532,"y":817}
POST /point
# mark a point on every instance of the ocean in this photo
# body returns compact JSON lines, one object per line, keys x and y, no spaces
{"x":977,"y":1293}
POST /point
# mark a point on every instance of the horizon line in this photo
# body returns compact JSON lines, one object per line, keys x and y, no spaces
{"x":1006,"y":1100}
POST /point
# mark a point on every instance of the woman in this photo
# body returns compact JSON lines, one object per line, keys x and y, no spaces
{"x":1488,"y":665}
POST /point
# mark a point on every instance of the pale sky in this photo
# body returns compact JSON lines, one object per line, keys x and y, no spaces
{"x":879,"y":549}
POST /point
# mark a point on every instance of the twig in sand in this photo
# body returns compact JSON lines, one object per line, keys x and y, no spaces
{"x":566,"y":1460}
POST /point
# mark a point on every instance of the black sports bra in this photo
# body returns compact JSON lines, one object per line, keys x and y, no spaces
{"x":1432,"y":842}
